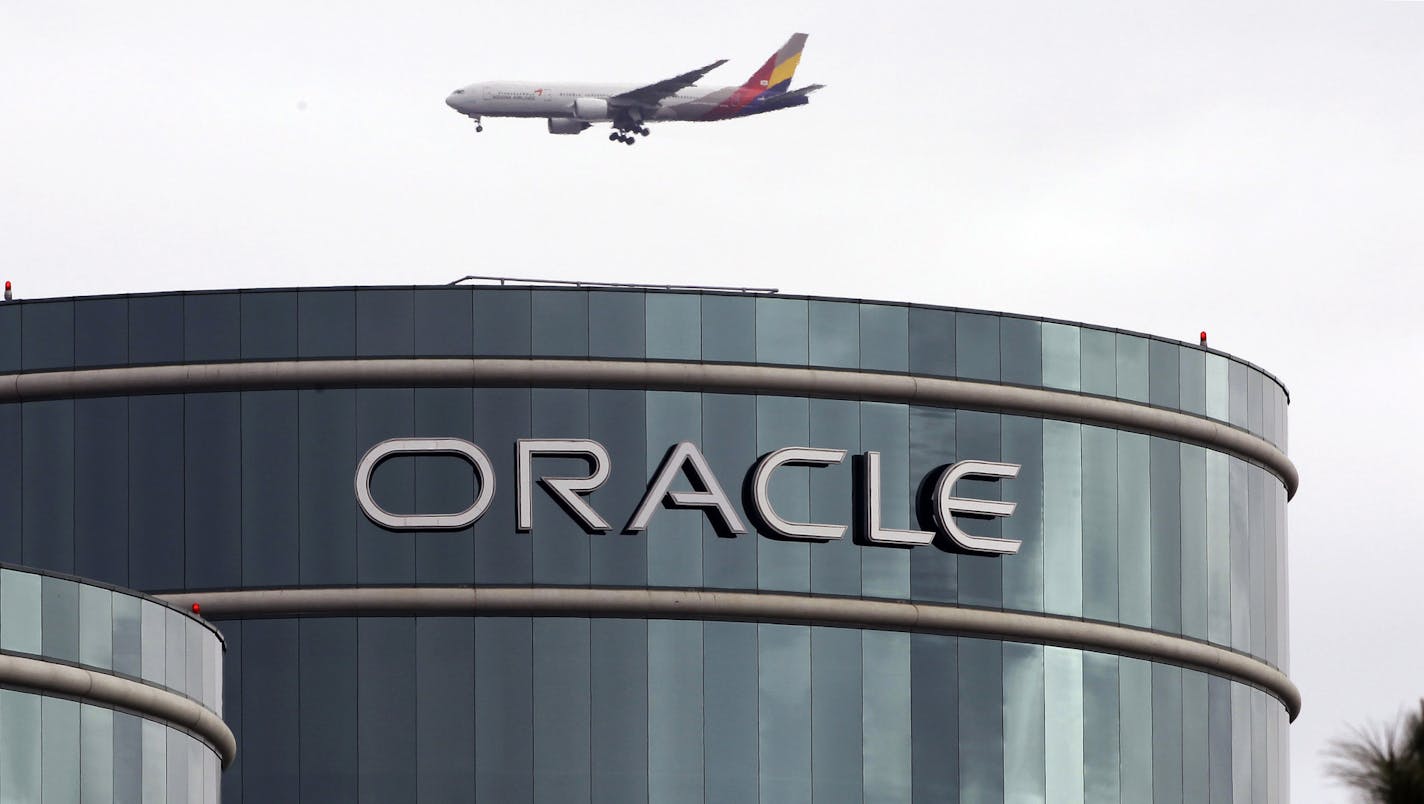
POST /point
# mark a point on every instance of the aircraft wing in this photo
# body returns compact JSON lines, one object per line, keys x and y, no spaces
{"x":652,"y":95}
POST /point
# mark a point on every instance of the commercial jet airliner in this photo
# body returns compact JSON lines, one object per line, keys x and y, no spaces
{"x":571,"y":108}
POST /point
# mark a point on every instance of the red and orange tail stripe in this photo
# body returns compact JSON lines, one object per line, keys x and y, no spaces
{"x":773,"y":79}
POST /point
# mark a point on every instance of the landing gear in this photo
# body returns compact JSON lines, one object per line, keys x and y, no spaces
{"x":624,"y":133}
{"x":619,"y":136}
{"x":478,"y":125}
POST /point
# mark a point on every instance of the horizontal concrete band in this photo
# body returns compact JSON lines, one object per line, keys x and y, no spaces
{"x":692,"y":604}
{"x":789,"y":380}
{"x":44,"y":677}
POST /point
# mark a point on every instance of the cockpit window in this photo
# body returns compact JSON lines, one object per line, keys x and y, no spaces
{"x":459,"y":92}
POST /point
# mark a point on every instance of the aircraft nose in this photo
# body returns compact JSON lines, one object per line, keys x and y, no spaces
{"x":454,"y":98}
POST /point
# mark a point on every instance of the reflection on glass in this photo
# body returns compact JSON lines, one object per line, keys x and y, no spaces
{"x":1024,"y":723}
{"x":1192,"y":379}
{"x":885,"y":427}
{"x":981,"y":720}
{"x":732,"y":742}
{"x":783,"y":713}
{"x":1063,"y":518}
{"x":619,"y":710}
{"x":729,"y":328}
{"x":674,"y":326}
{"x":932,"y":347}
{"x":1134,"y":529}
{"x":1163,"y":374}
{"x":561,"y":710}
{"x":934,"y":714}
{"x":128,"y":635}
{"x":782,"y":331}
{"x":155,"y":763}
{"x":1135,"y":689}
{"x":836,"y":717}
{"x":1064,"y":724}
{"x":784,"y":564}
{"x":1060,"y":357}
{"x":835,"y":334}
{"x":616,"y":324}
{"x":1099,"y":361}
{"x":1195,"y":738}
{"x":977,"y":346}
{"x":1100,"y":520}
{"x":561,"y":325}
{"x":1194,"y":541}
{"x":96,"y":750}
{"x":1023,"y":576}
{"x":1021,"y":347}
{"x":884,"y":337}
{"x":1166,"y":733}
{"x":675,"y":725}
{"x":1166,"y":524}
{"x":886,"y":656}
{"x":20,"y":611}
{"x":1132,"y":368}
{"x":19,"y":750}
{"x":96,"y":627}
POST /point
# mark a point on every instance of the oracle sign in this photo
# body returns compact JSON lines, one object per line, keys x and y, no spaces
{"x":707,"y":495}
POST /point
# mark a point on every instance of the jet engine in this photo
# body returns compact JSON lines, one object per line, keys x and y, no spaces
{"x":591,"y":109}
{"x":563,"y":125}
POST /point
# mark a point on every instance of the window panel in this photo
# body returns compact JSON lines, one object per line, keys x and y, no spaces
{"x":11,"y":473}
{"x":616,"y":321}
{"x":101,"y":489}
{"x":1194,"y":541}
{"x":504,"y":736}
{"x":96,"y":753}
{"x":836,"y":716}
{"x":1166,"y":527}
{"x":326,"y":323}
{"x":731,"y":745}
{"x":1065,"y":726}
{"x":100,"y":333}
{"x":214,"y":455}
{"x":20,"y":612}
{"x":48,"y":341}
{"x":674,"y":326}
{"x":981,"y":720}
{"x":20,"y":770}
{"x":1135,"y":689}
{"x":503,"y":324}
{"x":977,"y":346}
{"x":212,"y":327}
{"x":155,"y":484}
{"x":1217,"y":387}
{"x":1218,"y":557}
{"x":1195,"y":738}
{"x":385,"y":719}
{"x":444,"y":321}
{"x":96,"y":627}
{"x":1098,"y":361}
{"x":175,"y":658}
{"x":1191,"y":379}
{"x":729,"y":328}
{"x":835,"y":565}
{"x":127,"y":637}
{"x":270,"y":709}
{"x":10,"y":352}
{"x":1061,"y":367}
{"x":269,"y":325}
{"x":675,"y":710}
{"x":934,"y":715}
{"x":59,"y":619}
{"x":47,"y":490}
{"x":835,"y":334}
{"x":385,"y":323}
{"x":886,"y":767}
{"x":1164,"y":374}
{"x":562,"y":770}
{"x":270,"y":482}
{"x":884,"y":338}
{"x":1132,"y":368}
{"x":1166,"y":733}
{"x":1021,"y":342}
{"x":155,"y":329}
{"x":1063,"y":518}
{"x":782,"y":331}
{"x":783,"y":712}
{"x":445,"y":707}
{"x":560,"y":319}
{"x":1025,"y":728}
{"x":329,"y":710}
{"x":155,"y":762}
{"x":1238,"y":379}
{"x":1255,"y":401}
{"x":932,"y":342}
{"x":1134,"y":530}
{"x":1240,"y":556}
{"x":784,"y":564}
{"x":618,"y":670}
{"x":326,"y":506}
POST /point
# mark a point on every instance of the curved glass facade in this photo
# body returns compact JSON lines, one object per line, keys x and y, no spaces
{"x":251,"y":489}
{"x":55,"y":747}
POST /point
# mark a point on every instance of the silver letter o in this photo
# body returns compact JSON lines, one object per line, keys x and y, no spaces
{"x":424,"y":446}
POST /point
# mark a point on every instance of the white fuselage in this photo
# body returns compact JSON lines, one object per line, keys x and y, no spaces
{"x":550,"y":100}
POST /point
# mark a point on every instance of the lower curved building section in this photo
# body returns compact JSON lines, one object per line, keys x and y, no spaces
{"x":106,"y":695}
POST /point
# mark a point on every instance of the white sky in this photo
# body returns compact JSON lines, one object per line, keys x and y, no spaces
{"x":1254,"y":171}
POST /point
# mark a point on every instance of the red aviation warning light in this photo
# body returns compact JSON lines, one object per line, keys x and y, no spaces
{"x":1203,"y":337}
{"x":8,"y":294}
{"x":197,"y":609}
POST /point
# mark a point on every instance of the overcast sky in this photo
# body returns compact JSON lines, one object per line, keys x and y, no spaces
{"x":1252,"y":171}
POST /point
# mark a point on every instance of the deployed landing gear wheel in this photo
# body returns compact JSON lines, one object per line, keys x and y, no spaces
{"x":613,"y":137}
{"x":644,"y":131}
{"x":479,"y":128}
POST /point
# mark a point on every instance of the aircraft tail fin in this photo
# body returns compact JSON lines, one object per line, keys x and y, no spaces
{"x":774,"y":77}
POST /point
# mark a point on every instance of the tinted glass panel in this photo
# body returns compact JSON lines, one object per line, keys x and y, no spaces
{"x":326,"y":323}
{"x":100,"y":332}
{"x":674,"y":326}
{"x":615,"y":324}
{"x":269,"y":325}
{"x":385,"y":323}
{"x":782,"y":331}
{"x":49,"y":335}
{"x":444,"y":323}
{"x":884,"y":337}
{"x":560,"y":321}
{"x":212,"y":327}
{"x":502,"y":322}
{"x":155,"y":329}
{"x":1060,"y":356}
{"x":835,"y":334}
{"x":932,"y":345}
{"x":977,"y":346}
{"x":1021,"y":341}
{"x":729,"y":328}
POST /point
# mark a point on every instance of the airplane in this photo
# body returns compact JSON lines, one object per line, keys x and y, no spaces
{"x":570,"y":108}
